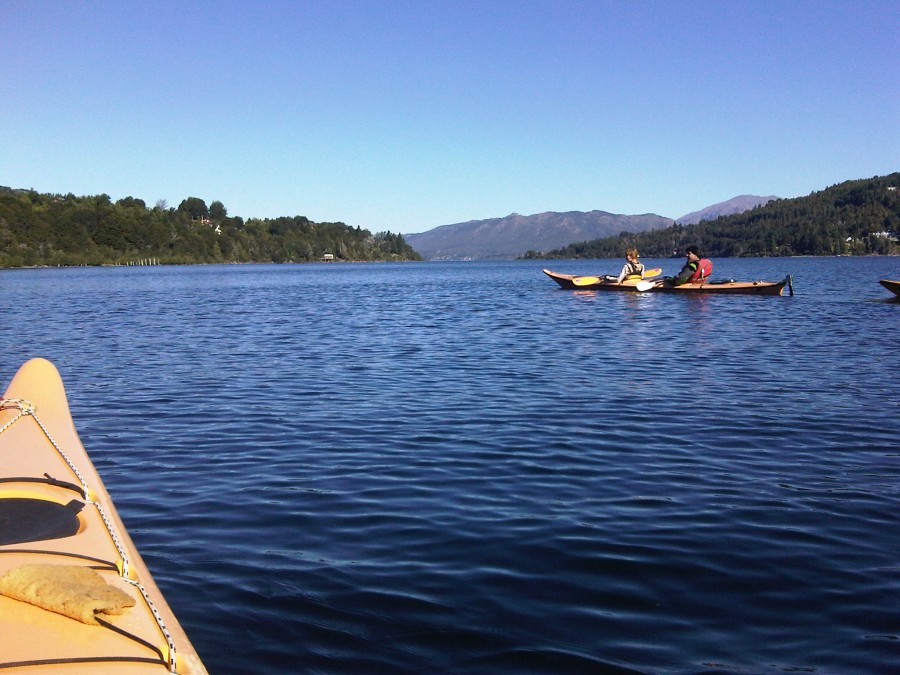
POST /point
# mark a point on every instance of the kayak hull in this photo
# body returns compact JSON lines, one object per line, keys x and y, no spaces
{"x":45,"y":469}
{"x":566,"y":281}
{"x":892,"y":286}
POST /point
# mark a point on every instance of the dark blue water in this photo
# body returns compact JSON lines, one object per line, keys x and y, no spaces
{"x":460,"y":468}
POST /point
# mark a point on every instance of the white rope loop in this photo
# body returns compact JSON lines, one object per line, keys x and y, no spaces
{"x":24,"y":407}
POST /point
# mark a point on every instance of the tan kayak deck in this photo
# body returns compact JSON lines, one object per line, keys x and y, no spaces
{"x":69,"y":520}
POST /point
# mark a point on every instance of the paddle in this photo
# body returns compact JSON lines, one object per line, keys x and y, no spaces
{"x":646,"y":285}
{"x":587,"y":281}
{"x":590,"y":281}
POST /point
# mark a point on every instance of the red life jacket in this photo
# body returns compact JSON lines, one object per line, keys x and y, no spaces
{"x":704,"y":269}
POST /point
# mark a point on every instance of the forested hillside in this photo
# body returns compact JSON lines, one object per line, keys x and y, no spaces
{"x":859,"y":217}
{"x":45,"y":229}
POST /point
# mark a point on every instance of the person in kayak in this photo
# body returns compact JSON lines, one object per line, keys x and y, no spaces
{"x":632,"y":267}
{"x":696,"y":269}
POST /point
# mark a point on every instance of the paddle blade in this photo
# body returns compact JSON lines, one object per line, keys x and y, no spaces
{"x":591,"y":281}
{"x":645,"y":285}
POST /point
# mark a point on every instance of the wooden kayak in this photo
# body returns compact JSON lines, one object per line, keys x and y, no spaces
{"x":75,"y":595}
{"x":567,"y":282}
{"x":892,"y":286}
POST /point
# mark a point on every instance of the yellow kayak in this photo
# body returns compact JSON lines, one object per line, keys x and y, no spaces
{"x":75,"y":595}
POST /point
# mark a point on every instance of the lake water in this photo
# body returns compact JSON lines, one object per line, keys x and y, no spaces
{"x":461,"y":468}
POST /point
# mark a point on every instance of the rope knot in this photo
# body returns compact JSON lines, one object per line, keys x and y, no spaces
{"x":20,"y":404}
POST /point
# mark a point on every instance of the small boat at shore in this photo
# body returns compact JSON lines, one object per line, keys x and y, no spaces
{"x":567,"y":282}
{"x":892,"y":286}
{"x":75,"y":595}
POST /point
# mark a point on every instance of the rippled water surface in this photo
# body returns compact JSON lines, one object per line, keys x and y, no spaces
{"x":460,"y":468}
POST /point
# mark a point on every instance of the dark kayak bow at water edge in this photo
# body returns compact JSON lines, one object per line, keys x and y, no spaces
{"x":892,"y":286}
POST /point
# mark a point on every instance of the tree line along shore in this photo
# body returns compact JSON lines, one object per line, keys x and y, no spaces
{"x":859,"y":217}
{"x":38,"y":229}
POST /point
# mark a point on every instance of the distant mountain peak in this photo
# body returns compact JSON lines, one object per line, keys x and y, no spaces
{"x":734,"y":205}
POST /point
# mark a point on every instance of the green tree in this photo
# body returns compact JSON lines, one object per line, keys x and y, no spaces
{"x":194,"y":207}
{"x":217,"y":211}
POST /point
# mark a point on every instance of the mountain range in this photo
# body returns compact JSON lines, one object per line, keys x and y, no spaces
{"x":514,"y":235}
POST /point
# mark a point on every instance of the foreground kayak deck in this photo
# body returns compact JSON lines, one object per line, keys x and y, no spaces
{"x":58,"y":525}
{"x":567,"y":282}
{"x":892,"y":286}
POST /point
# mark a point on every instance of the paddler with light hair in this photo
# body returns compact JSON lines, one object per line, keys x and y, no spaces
{"x":632,"y":267}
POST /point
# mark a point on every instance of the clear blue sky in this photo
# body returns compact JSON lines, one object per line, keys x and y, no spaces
{"x":404,"y":115}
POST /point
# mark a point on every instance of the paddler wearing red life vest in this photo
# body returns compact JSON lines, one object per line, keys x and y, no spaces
{"x":696,"y":270}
